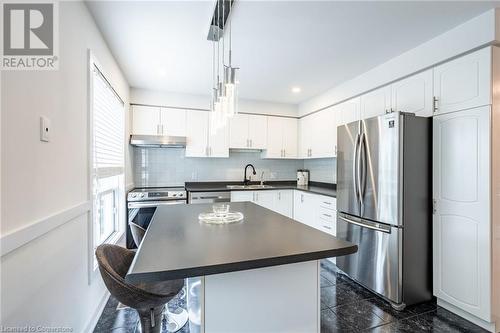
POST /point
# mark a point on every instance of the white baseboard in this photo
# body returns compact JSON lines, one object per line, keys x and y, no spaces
{"x":478,"y":321}
{"x":97,"y":314}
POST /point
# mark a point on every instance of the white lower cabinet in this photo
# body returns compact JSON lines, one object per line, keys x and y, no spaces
{"x":317,"y":211}
{"x":462,"y":223}
{"x":279,"y":201}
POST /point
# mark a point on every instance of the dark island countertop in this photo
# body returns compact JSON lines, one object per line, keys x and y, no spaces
{"x":327,"y":189}
{"x":177,"y":245}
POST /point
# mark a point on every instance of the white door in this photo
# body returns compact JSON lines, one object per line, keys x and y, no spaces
{"x":274,"y":145}
{"x":239,"y":196}
{"x":349,"y":111}
{"x":463,"y":83}
{"x":305,"y":140}
{"x":146,"y":120}
{"x":323,"y":134}
{"x":290,"y":129}
{"x":376,"y":103}
{"x":218,"y":142}
{"x":257,"y":131}
{"x":414,"y":94}
{"x":238,"y":132}
{"x":265,"y":199}
{"x":197,"y":133}
{"x":461,"y":223}
{"x":304,"y":208}
{"x":173,"y":122}
{"x":283,"y":202}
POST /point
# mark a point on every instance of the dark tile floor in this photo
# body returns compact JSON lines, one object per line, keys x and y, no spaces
{"x":345,"y":307}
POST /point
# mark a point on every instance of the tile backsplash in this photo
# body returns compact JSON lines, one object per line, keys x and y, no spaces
{"x":169,"y":167}
{"x":322,"y":170}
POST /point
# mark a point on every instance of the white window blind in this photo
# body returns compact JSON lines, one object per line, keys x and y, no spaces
{"x":108,"y":129}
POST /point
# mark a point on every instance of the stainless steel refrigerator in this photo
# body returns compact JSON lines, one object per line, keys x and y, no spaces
{"x":384,"y":205}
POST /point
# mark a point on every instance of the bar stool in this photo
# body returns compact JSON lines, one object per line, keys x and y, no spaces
{"x":148,"y":299}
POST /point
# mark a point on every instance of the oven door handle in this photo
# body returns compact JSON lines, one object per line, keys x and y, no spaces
{"x":146,"y":204}
{"x":366,"y":224}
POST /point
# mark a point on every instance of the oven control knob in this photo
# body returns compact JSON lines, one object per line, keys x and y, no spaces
{"x":141,"y":195}
{"x":174,"y":195}
{"x":133,"y":195}
{"x":181,"y":194}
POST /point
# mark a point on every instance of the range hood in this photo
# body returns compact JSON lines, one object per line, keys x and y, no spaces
{"x":158,"y":141}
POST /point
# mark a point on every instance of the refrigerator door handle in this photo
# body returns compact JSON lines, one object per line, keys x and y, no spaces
{"x":362,"y":167}
{"x":355,"y":167}
{"x":366,"y":224}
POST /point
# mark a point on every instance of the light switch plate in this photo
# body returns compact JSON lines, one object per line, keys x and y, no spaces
{"x":44,"y":129}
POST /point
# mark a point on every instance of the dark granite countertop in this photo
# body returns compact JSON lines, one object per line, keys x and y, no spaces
{"x":177,"y":245}
{"x":327,"y":189}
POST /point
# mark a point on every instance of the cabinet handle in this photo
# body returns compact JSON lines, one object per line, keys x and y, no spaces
{"x":327,"y":215}
{"x":301,"y":198}
{"x":284,"y":152}
{"x":162,"y":129}
{"x":158,"y":129}
{"x":327,"y":203}
{"x":434,"y":206}
{"x":327,"y":227}
{"x":335,"y":150}
{"x":434,"y":104}
{"x":251,"y":143}
{"x":279,"y":195}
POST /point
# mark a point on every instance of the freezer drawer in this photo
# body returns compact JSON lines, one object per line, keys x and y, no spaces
{"x":378,"y":263}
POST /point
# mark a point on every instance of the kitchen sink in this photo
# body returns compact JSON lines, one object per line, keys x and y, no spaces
{"x":248,"y":187}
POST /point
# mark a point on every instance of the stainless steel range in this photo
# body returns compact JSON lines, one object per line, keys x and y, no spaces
{"x":142,"y":204}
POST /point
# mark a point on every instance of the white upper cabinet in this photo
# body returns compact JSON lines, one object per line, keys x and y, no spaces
{"x":318,"y":133}
{"x":197,"y":133}
{"x":150,"y":120}
{"x":248,"y":131}
{"x":257,"y":131}
{"x":173,"y":121}
{"x":413,"y":94}
{"x":281,"y":138}
{"x":290,"y":132}
{"x":461,"y":221}
{"x":201,"y":140}
{"x":376,"y":102}
{"x":238,"y":131}
{"x":218,"y":142}
{"x":463,"y":83}
{"x":348,"y":111}
{"x":146,"y":120}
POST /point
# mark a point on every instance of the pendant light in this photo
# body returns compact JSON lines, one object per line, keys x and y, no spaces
{"x":225,"y":91}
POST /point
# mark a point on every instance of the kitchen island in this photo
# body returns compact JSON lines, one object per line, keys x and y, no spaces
{"x":257,"y":275}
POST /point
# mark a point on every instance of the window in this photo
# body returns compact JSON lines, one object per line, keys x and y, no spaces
{"x":107,"y":155}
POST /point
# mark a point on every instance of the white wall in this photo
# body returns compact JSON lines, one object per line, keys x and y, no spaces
{"x":142,"y":96}
{"x":480,"y":31}
{"x":44,"y":282}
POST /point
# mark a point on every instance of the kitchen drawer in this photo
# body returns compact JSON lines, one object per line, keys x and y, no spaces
{"x":327,"y":214}
{"x":327,"y":226}
{"x":327,"y":202}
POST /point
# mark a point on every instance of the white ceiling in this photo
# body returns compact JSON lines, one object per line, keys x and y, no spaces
{"x":277,"y":44}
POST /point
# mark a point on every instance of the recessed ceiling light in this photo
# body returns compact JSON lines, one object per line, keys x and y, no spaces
{"x":296,"y":90}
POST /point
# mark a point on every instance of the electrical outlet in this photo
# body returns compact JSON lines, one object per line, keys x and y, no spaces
{"x":44,"y":129}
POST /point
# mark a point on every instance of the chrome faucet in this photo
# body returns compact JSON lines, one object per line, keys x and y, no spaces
{"x":245,"y":180}
{"x":262,"y":178}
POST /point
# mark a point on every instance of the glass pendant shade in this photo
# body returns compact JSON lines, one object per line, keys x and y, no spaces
{"x":231,"y":91}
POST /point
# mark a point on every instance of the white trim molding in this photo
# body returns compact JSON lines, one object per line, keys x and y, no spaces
{"x":26,"y":234}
